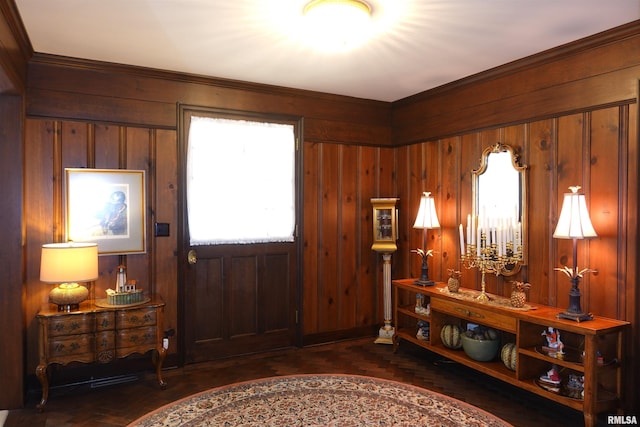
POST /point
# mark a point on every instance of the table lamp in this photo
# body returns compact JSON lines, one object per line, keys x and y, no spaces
{"x":425,"y":220}
{"x":574,"y":223}
{"x":67,"y":264}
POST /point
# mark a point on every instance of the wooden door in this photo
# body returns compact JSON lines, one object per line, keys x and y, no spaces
{"x":236,"y":298}
{"x":239,"y":299}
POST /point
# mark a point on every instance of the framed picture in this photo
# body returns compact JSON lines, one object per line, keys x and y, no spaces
{"x":108,"y":207}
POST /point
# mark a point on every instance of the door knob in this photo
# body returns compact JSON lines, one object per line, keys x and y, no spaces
{"x":192,"y":257}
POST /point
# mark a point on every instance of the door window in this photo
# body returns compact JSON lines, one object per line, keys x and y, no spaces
{"x":240,"y":181}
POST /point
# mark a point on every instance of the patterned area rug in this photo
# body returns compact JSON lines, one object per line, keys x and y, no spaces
{"x":319,"y":400}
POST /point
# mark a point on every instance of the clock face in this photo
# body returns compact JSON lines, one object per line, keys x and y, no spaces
{"x":384,"y":225}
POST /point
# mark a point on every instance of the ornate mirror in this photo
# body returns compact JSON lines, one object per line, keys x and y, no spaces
{"x":499,"y":205}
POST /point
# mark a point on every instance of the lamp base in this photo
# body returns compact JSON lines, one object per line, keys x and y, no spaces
{"x":68,"y":307}
{"x":422,"y":282}
{"x":68,"y":296}
{"x":424,"y":275}
{"x":576,"y":317}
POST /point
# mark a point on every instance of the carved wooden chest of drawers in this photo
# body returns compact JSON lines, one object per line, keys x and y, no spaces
{"x":99,"y":334}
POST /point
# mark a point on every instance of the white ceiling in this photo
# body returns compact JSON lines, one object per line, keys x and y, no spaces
{"x":418,"y":45}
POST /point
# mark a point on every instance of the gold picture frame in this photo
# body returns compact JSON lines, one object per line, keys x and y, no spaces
{"x":108,"y":207}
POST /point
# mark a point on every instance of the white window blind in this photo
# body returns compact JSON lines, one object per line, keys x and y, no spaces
{"x":240,"y":181}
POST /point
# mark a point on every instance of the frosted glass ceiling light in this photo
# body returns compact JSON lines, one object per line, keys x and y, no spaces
{"x":336,"y":25}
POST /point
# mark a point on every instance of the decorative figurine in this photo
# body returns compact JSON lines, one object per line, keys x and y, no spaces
{"x":551,"y":380}
{"x":575,"y":386}
{"x":518,"y":294}
{"x":423,"y":331}
{"x":420,"y":308}
{"x":125,"y":291}
{"x":554,"y":347}
{"x":121,"y":279}
{"x":453,"y":283}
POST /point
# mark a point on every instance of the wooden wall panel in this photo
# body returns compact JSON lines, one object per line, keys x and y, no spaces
{"x":40,"y":226}
{"x":572,"y":154}
{"x":367,"y":302}
{"x":11,"y":257}
{"x":52,"y":146}
{"x":311,"y":244}
{"x":560,"y":81}
{"x":539,"y":159}
{"x":329,"y":239}
{"x":449,"y":215}
{"x":348,"y":252}
{"x":85,"y":90}
{"x":628,"y":290}
{"x":165,"y":210}
{"x":591,"y":149}
{"x":586,"y":149}
{"x":596,"y":149}
{"x":342,"y":276}
{"x":606,"y":170}
{"x":15,"y":50}
{"x":469,"y":155}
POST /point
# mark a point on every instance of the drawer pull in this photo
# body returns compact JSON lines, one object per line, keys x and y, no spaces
{"x":469,"y":313}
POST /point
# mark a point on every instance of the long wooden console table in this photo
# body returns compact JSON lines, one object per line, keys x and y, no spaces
{"x":593,"y":349}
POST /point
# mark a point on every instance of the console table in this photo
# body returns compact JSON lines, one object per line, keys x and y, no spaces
{"x":99,"y":334}
{"x":593,"y":349}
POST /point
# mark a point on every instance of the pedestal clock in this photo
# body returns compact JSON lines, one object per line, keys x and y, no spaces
{"x":385,"y":235}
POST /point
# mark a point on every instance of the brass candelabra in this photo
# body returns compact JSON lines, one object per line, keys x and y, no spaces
{"x":490,"y":258}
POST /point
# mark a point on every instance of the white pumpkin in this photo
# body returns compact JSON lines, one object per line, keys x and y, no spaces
{"x":509,"y":356}
{"x":451,"y":336}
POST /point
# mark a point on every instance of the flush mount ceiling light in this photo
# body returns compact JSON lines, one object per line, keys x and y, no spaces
{"x":337,"y":24}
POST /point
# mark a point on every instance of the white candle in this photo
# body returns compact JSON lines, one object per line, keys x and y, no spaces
{"x":462,"y":252}
{"x":478,"y":241}
{"x":484,"y":215}
{"x":469,"y":228}
{"x":473,"y":229}
{"x":504,"y":241}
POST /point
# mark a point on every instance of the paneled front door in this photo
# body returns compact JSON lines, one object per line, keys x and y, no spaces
{"x":236,"y":298}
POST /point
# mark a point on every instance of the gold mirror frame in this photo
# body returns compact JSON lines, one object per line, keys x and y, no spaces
{"x":519,"y":200}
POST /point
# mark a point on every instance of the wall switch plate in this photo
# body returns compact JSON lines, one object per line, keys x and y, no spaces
{"x":162,"y":229}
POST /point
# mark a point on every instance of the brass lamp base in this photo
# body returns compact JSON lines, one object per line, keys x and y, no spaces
{"x":574,"y":312}
{"x":424,"y":275}
{"x":68,"y":296}
{"x":576,"y":317}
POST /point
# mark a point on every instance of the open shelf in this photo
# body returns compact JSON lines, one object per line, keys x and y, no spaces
{"x":592,"y":349}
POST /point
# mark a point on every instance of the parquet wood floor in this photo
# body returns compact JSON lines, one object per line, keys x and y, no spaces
{"x":117,"y":405}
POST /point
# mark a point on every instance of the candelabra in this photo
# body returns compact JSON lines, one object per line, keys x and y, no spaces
{"x":492,"y":256}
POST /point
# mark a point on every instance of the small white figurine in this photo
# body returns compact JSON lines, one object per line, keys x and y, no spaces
{"x":554,"y":345}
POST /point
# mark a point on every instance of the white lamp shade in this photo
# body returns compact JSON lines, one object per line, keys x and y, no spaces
{"x":574,"y":221}
{"x":427,"y":217}
{"x":69,"y":262}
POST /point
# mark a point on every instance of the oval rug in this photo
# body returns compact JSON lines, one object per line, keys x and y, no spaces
{"x":319,"y":400}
